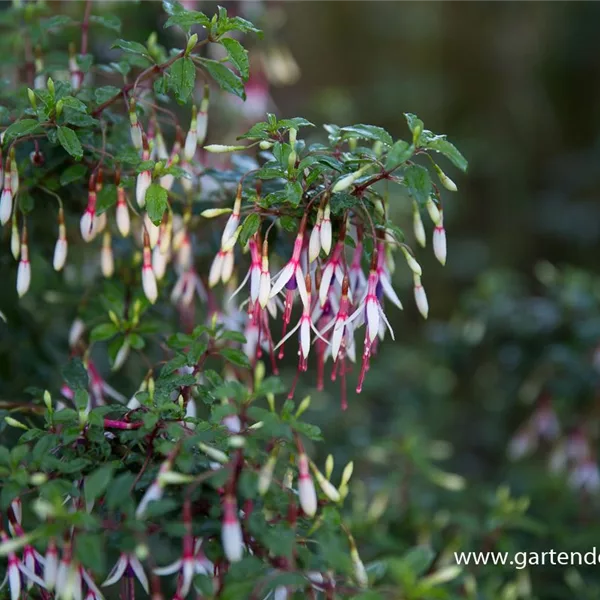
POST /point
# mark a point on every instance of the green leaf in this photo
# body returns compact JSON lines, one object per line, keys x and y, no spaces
{"x":82,"y":399}
{"x":182,"y":78}
{"x":107,"y":197}
{"x":225,"y":77}
{"x":89,"y":551}
{"x":400,"y":152}
{"x":109,"y":21}
{"x":156,"y":203}
{"x":367,"y":132}
{"x":102,"y":94}
{"x":133,"y":47}
{"x":187,"y":18}
{"x":26,"y":202}
{"x":238,"y":56}
{"x":440,"y":144}
{"x":55,"y":22}
{"x":75,"y":374}
{"x":249,"y":228}
{"x":70,"y":142}
{"x":20,"y":128}
{"x":237,"y":357}
{"x":74,"y":104}
{"x":418,"y":182}
{"x":71,"y":174}
{"x":293,"y":192}
{"x":103,"y":332}
{"x":97,"y":482}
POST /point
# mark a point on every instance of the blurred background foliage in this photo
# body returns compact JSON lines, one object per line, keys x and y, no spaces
{"x":512,"y":326}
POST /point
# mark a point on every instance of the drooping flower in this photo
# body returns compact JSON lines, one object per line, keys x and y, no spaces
{"x":129,"y":566}
{"x":293,"y":271}
{"x":202,"y":120}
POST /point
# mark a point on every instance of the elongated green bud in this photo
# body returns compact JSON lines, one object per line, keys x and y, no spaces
{"x":14,"y":423}
{"x":265,"y":477}
{"x":32,"y":99}
{"x":191,"y":43}
{"x":445,"y":180}
{"x":220,"y":149}
{"x":303,"y":406}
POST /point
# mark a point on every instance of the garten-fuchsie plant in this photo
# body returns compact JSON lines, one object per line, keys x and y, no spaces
{"x":329,"y":196}
{"x":261,"y":244}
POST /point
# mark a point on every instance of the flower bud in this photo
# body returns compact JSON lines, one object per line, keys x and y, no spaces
{"x":191,"y":139}
{"x":174,"y":478}
{"x":306,"y":487}
{"x":14,"y":423}
{"x":265,"y":475}
{"x":61,"y":247}
{"x":303,"y":406}
{"x":159,"y":262}
{"x":329,"y":464}
{"x":76,"y":331}
{"x":107,"y":262}
{"x":191,"y":43}
{"x":15,"y":240}
{"x":213,"y":453}
{"x":86,"y":224}
{"x":6,"y":204}
{"x":24,"y":269}
{"x":327,"y":487}
{"x":421,"y":297}
{"x":227,"y":267}
{"x":143,"y":182}
{"x":135,"y":127}
{"x":122,"y":355}
{"x":326,"y":229}
{"x":413,"y":265}
{"x":47,"y":400}
{"x":148,"y":277}
{"x":445,"y":180}
{"x":439,"y":243}
{"x":434,"y":213}
{"x":265,"y":277}
{"x":123,"y":221}
{"x":152,"y":230}
{"x":38,"y":478}
{"x":265,"y":145}
{"x":32,"y":99}
{"x":231,"y":531}
{"x":202,"y":120}
{"x":418,"y":228}
{"x":211,"y":213}
{"x":314,"y":243}
{"x":220,"y":149}
{"x":360,"y":573}
{"x":347,"y":473}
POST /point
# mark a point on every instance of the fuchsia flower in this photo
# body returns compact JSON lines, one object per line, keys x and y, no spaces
{"x":193,"y":561}
{"x":342,"y":330}
{"x":291,"y":275}
{"x":17,"y":569}
{"x":129,"y":566}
